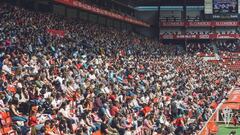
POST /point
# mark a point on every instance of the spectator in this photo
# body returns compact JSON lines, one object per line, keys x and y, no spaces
{"x":96,"y":78}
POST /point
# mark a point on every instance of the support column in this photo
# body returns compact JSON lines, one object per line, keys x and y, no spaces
{"x":78,"y":14}
{"x":106,"y":21}
{"x":184,"y":19}
{"x":158,"y":25}
{"x":65,"y":11}
{"x":184,"y":12}
{"x":98,"y":18}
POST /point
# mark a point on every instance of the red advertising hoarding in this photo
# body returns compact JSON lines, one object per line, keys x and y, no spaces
{"x":225,"y":23}
{"x":93,"y":9}
{"x":205,"y":36}
{"x":226,"y":36}
{"x":172,"y":24}
{"x":201,"y":24}
{"x":54,"y":32}
{"x":198,"y":24}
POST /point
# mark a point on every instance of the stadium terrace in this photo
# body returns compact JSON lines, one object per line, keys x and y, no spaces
{"x":119,"y":67}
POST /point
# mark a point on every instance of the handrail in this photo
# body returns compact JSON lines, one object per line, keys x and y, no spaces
{"x":218,"y":107}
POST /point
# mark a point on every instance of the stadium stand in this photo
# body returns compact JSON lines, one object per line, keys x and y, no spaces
{"x":63,"y":76}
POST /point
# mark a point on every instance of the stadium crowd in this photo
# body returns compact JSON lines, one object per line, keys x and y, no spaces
{"x":194,"y":47}
{"x":97,"y":78}
{"x":228,"y":46}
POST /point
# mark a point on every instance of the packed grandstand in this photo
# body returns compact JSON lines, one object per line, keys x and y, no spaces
{"x":62,"y":76}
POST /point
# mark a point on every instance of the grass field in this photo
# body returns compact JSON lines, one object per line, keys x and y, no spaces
{"x":225,"y":130}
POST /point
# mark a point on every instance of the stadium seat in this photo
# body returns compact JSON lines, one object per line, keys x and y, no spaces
{"x":213,"y":128}
{"x":6,"y":124}
{"x":11,"y":88}
{"x":97,"y":133}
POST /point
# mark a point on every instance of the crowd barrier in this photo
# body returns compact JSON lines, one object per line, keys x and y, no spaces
{"x":210,"y":126}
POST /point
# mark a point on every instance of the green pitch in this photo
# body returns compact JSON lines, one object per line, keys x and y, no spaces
{"x":225,"y":130}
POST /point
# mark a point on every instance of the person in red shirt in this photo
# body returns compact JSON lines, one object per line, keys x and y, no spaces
{"x":34,"y":122}
{"x":114,"y":109}
{"x":179,"y":123}
{"x":146,"y":110}
{"x":235,"y":120}
{"x":113,"y":96}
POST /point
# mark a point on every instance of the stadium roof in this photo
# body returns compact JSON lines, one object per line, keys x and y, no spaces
{"x":136,"y":3}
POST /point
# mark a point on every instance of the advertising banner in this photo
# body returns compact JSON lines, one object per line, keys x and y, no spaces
{"x":54,"y":32}
{"x":225,"y":23}
{"x":200,"y":36}
{"x":93,"y":9}
{"x":172,"y":24}
{"x":201,"y":24}
{"x":198,"y":24}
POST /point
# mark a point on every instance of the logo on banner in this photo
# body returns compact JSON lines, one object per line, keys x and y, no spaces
{"x":227,"y":115}
{"x":167,"y":36}
{"x":204,"y":36}
{"x":172,"y":23}
{"x":225,"y":36}
{"x":199,"y":24}
{"x":226,"y":23}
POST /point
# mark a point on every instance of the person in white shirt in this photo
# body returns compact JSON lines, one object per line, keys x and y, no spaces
{"x":65,"y":111}
{"x":57,"y":101}
{"x":6,"y":68}
{"x":134,"y":103}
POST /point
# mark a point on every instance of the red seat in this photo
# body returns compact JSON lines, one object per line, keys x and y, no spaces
{"x":6,"y":124}
{"x":97,"y":133}
{"x":7,"y":131}
{"x":213,"y":128}
{"x":4,"y":115}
